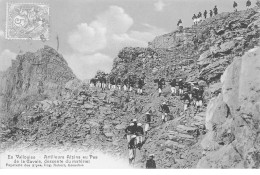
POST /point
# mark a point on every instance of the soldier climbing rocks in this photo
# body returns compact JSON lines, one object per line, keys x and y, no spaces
{"x":160,"y":81}
{"x":164,"y":108}
{"x":181,"y":86}
{"x":140,"y":85}
{"x":132,"y":149}
{"x":195,"y":41}
{"x":148,"y":120}
{"x":129,"y":132}
{"x":40,"y":87}
{"x":186,"y":100}
{"x":173,"y":86}
{"x":139,"y":135}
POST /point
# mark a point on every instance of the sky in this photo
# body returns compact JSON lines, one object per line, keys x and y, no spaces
{"x":92,"y":32}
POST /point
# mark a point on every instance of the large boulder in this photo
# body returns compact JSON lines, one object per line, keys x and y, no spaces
{"x":233,"y":117}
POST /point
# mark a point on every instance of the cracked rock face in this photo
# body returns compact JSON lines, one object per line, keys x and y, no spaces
{"x":233,"y":118}
{"x":34,"y":76}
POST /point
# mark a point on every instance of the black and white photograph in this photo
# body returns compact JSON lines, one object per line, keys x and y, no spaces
{"x":129,"y":84}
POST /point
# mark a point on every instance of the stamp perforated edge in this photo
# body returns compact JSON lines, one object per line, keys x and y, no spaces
{"x":7,"y":14}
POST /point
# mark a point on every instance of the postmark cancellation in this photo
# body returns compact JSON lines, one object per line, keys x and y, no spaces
{"x":27,"y":21}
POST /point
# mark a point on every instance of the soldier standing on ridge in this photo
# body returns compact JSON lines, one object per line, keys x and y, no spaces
{"x":194,"y":18}
{"x":248,"y":4}
{"x":199,"y":17}
{"x":179,"y":24}
{"x":186,"y":101}
{"x":235,"y":6}
{"x":215,"y":10}
{"x":205,"y":14}
{"x":211,"y":13}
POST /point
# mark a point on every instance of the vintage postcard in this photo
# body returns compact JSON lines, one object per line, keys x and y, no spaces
{"x":129,"y":84}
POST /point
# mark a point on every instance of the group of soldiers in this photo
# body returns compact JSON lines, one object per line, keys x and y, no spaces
{"x":248,"y":4}
{"x":113,"y":82}
{"x":198,"y":18}
{"x":190,"y":92}
{"x":135,"y":135}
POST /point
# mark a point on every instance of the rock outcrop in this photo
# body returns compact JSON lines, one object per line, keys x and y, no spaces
{"x":34,"y":77}
{"x":232,"y":118}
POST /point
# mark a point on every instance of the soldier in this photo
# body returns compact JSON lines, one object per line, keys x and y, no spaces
{"x":186,"y":101}
{"x":118,"y":83}
{"x":195,"y":41}
{"x":165,"y":111}
{"x":139,"y":135}
{"x":205,"y":14}
{"x":148,"y":121}
{"x":126,"y":84}
{"x":181,"y":86}
{"x":103,"y":82}
{"x":131,"y":148}
{"x":150,"y":164}
{"x":194,"y":18}
{"x":140,"y":85}
{"x":211,"y":13}
{"x":131,"y":83}
{"x":215,"y":10}
{"x":92,"y":82}
{"x":235,"y":6}
{"x":113,"y":82}
{"x":248,"y":4}
{"x":173,"y":86}
{"x":179,"y":24}
{"x":160,"y":81}
{"x":129,"y":132}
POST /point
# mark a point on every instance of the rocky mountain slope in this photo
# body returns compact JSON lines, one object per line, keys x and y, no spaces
{"x":33,"y":77}
{"x":68,"y":113}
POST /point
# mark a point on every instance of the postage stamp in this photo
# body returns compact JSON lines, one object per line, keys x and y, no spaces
{"x":27,"y":21}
